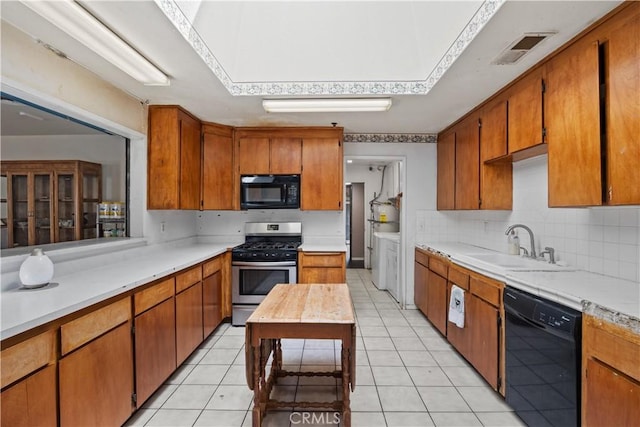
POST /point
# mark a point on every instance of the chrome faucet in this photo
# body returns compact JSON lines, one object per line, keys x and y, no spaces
{"x":532,"y":253}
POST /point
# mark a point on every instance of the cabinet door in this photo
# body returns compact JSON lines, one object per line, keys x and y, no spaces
{"x":446,"y":171}
{"x":286,"y":155}
{"x":496,"y":184}
{"x":188,"y":321}
{"x":96,"y":381}
{"x":525,"y":113}
{"x":321,"y":186}
{"x":484,"y":338}
{"x":211,"y":302}
{"x":67,"y":199}
{"x":572,"y":117}
{"x":610,"y":398}
{"x":32,"y":401}
{"x":467,"y":171}
{"x":218,"y":182}
{"x":460,"y":338}
{"x":190,"y":160}
{"x":163,"y":159}
{"x":253,"y":156}
{"x":623,"y":115}
{"x":420,"y":287}
{"x":155,"y":343}
{"x":437,"y":301}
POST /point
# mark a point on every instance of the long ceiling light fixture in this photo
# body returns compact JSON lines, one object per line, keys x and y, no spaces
{"x":326,"y":105}
{"x":77,"y":22}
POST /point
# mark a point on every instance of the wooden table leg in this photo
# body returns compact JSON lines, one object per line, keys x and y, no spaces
{"x":346,"y":380}
{"x":257,"y":389}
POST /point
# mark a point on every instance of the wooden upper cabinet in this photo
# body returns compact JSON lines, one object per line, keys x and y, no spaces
{"x":253,"y":155}
{"x":467,"y":170}
{"x":219,"y":186}
{"x":623,"y":114}
{"x":286,"y":156}
{"x":573,"y":127}
{"x":265,"y":155}
{"x":496,"y":177}
{"x":525,"y":125}
{"x":321,"y":180}
{"x":493,"y":131}
{"x":174,"y":157}
{"x":446,"y":171}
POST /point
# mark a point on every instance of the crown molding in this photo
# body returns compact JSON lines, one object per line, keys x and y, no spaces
{"x":332,"y":88}
{"x":392,"y":138}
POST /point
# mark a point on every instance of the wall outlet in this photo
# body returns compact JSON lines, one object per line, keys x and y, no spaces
{"x":162,"y":227}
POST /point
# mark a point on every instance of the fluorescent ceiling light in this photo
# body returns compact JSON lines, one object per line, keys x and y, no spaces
{"x":325,"y":105}
{"x":74,"y":20}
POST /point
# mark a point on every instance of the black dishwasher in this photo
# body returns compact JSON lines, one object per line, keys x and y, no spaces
{"x":543,"y":360}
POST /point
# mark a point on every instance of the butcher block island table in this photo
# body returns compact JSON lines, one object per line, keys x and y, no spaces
{"x":299,"y":311}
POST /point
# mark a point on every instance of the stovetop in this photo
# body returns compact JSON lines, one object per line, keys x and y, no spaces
{"x":266,"y":251}
{"x":269,"y":242}
{"x":267,"y":246}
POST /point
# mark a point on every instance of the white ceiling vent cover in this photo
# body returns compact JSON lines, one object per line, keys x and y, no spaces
{"x":520,"y":47}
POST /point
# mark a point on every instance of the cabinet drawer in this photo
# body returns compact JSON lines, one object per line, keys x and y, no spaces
{"x":322,"y":259}
{"x":154,"y":295}
{"x":438,"y":266}
{"x":212,"y":266}
{"x":188,"y":278}
{"x":86,"y":328}
{"x":21,"y":359}
{"x":422,"y":257}
{"x":459,"y":277}
{"x":490,"y":292}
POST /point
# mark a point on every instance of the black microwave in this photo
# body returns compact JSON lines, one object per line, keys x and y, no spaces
{"x":270,"y":192}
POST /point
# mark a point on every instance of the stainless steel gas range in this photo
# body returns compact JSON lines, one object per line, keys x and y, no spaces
{"x":269,"y":256}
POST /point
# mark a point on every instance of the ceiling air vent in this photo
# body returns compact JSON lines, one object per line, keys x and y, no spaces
{"x":519,"y":48}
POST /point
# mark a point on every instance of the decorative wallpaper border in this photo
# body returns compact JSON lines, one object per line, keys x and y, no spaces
{"x":333,"y":88}
{"x":423,"y":138}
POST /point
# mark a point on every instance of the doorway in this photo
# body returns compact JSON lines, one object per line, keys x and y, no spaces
{"x":355,"y":224}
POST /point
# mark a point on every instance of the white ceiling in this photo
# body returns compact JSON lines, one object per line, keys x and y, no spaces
{"x":270,"y":49}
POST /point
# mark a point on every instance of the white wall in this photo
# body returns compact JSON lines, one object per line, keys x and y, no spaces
{"x":316,"y":225}
{"x":108,"y":150}
{"x":419,"y":194}
{"x":604,"y":240}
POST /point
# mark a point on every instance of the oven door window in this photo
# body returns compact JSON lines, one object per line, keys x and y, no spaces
{"x":260,"y":282}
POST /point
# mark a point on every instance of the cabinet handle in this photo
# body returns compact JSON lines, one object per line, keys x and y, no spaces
{"x":610,"y":193}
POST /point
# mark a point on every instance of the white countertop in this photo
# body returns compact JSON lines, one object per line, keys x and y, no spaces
{"x":570,"y":287}
{"x":24,"y":309}
{"x":323,"y":244}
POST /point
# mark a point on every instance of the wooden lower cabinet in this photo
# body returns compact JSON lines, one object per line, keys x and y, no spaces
{"x":437,"y":301}
{"x":155,"y":344}
{"x":610,"y":374}
{"x":31,"y":401}
{"x":96,"y":381}
{"x":480,"y":339}
{"x":322,"y":267}
{"x":420,"y":272}
{"x":189,"y":324}
{"x":484,"y":345}
{"x":211,"y":302}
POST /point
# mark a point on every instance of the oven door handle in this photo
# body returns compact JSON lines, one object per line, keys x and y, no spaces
{"x":263,"y":264}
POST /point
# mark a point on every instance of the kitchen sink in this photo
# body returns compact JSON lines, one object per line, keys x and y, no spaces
{"x":511,"y":262}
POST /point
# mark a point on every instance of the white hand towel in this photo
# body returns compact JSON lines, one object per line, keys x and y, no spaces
{"x":456,"y":306}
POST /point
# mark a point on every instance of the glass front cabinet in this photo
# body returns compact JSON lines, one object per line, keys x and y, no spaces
{"x":49,"y":201}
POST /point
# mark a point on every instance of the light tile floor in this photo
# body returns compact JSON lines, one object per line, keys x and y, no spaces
{"x":407,"y":375}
